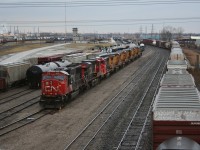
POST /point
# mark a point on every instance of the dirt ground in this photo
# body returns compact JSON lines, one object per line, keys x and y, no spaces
{"x":191,"y":55}
{"x":57,"y":130}
{"x":195,"y":71}
{"x":20,"y":47}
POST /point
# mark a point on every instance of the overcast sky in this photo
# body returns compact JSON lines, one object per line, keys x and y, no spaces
{"x":102,"y":16}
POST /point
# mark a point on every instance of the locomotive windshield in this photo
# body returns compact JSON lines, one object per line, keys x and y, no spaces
{"x":59,"y":77}
{"x":46,"y":77}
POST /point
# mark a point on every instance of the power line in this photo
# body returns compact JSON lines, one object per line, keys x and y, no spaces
{"x":95,"y":3}
{"x":110,"y":24}
{"x":103,"y":21}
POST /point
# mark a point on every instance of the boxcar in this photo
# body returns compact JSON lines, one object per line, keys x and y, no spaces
{"x":177,"y":64}
{"x":176,"y":113}
{"x":172,"y":80}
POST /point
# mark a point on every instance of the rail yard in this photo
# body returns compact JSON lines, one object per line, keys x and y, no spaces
{"x":121,"y":101}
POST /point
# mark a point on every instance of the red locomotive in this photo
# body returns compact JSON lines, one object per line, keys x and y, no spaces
{"x":60,"y":85}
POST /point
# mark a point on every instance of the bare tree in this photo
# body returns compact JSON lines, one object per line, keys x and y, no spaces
{"x":179,"y":32}
{"x":166,"y":33}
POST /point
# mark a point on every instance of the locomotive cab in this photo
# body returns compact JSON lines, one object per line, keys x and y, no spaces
{"x":101,"y":67}
{"x":55,"y":85}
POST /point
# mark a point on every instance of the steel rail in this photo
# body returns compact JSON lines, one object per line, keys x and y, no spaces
{"x":150,"y":108}
{"x":138,"y":107}
{"x":14,"y":97}
{"x":28,"y":119}
{"x":14,"y":93}
{"x":111,"y":114}
{"x":17,"y":106}
{"x":84,"y":129}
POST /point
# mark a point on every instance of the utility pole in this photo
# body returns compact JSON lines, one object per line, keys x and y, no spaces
{"x":65,"y":24}
{"x":152,"y":30}
{"x":146,"y":32}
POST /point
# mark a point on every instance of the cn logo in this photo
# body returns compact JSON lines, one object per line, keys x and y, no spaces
{"x":51,"y":89}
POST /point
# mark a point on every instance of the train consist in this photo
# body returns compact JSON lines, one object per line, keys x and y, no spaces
{"x":158,"y":43}
{"x":176,"y":109}
{"x":63,"y":83}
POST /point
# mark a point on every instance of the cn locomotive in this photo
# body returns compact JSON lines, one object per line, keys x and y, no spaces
{"x":60,"y":85}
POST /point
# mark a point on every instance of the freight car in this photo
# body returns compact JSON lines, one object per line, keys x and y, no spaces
{"x":60,"y":85}
{"x":177,"y":64}
{"x":175,"y":44}
{"x":176,"y":109}
{"x":177,"y":54}
{"x":46,"y":59}
{"x":157,"y":43}
{"x":34,"y":73}
{"x":12,"y":73}
{"x":176,"y":113}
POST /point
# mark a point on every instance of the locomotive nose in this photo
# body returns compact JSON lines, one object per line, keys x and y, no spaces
{"x":51,"y":88}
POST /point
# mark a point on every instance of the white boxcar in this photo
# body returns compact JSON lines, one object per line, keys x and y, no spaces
{"x":13,"y":72}
{"x":177,"y":71}
{"x":175,"y":44}
{"x":177,"y":80}
{"x":180,"y":104}
{"x":177,"y":64}
{"x":177,"y":54}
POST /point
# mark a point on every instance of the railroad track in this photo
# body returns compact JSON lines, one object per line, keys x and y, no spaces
{"x":24,"y":121}
{"x":133,"y":134}
{"x":15,"y":96}
{"x":86,"y":136}
{"x":11,"y":111}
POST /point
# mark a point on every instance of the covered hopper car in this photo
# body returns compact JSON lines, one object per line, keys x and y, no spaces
{"x":12,"y":73}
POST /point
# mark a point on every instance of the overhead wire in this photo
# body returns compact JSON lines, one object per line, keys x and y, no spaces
{"x":102,"y":21}
{"x":88,"y":3}
{"x":94,"y":3}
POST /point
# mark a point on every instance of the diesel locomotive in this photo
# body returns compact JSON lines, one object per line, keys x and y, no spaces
{"x":61,"y":84}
